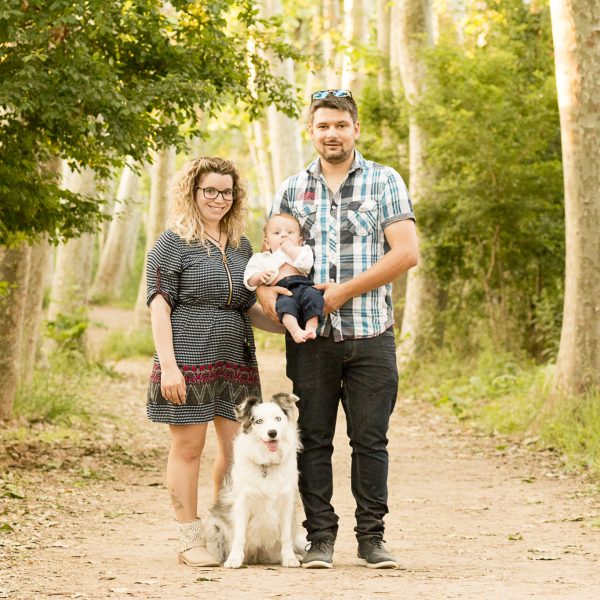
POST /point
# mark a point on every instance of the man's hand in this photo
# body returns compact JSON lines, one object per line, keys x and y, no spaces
{"x":267,"y":295}
{"x":335,"y":296}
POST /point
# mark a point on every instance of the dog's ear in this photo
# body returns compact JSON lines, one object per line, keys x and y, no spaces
{"x":243,"y":412}
{"x":287,"y":403}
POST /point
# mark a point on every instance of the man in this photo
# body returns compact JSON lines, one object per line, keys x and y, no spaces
{"x":357,"y":217}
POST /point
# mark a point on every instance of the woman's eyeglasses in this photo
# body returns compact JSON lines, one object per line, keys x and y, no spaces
{"x":337,"y":93}
{"x":211,"y":193}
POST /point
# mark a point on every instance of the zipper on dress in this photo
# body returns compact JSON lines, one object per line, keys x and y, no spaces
{"x":229,"y":298}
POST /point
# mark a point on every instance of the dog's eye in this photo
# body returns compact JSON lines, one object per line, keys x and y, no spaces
{"x":278,"y":418}
{"x":258,"y":421}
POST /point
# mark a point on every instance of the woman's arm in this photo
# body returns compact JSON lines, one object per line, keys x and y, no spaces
{"x":260,"y":320}
{"x":172,"y":382}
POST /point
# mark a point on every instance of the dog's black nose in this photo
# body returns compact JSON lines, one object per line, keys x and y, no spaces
{"x":272,"y":433}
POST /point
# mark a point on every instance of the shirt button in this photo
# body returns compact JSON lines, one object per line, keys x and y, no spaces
{"x":332,"y":281}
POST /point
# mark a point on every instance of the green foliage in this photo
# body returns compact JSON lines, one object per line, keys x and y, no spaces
{"x":96,"y":82}
{"x":119,"y":345}
{"x":68,"y":330}
{"x":384,"y":126}
{"x":493,"y":224}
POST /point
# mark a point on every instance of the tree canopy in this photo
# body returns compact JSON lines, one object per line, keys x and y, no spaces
{"x":99,"y":83}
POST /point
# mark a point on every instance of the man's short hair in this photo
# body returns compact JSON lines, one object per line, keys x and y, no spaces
{"x":345,"y":104}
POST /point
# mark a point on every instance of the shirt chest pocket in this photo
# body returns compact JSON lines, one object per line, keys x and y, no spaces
{"x":362,"y":216}
{"x":306,"y":213}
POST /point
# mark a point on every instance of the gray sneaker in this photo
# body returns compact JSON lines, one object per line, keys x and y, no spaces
{"x":320,"y":554}
{"x":373,"y":553}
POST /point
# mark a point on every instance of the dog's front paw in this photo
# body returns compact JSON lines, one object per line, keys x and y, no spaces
{"x":233,"y":562}
{"x":290,"y":561}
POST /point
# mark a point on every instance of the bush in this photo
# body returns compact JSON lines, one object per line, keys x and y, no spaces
{"x":120,"y":344}
{"x":60,"y":392}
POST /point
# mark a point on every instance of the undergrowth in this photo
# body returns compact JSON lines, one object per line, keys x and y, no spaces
{"x":504,"y":393}
{"x":62,"y":390}
{"x":120,"y":344}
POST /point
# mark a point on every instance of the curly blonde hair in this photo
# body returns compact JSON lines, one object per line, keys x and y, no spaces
{"x":184,"y":214}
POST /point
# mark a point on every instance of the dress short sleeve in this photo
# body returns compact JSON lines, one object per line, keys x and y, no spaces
{"x":163,"y":269}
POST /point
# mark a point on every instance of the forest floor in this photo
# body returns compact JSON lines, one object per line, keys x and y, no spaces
{"x":471,"y":516}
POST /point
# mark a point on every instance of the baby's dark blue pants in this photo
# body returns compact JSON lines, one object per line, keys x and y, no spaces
{"x":305,"y":301}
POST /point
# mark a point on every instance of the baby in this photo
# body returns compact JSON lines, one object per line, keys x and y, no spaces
{"x":287,"y":263}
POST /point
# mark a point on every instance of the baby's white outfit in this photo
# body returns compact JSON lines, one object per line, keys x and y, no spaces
{"x":272,"y":261}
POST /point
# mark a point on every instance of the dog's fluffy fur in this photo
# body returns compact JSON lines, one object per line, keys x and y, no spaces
{"x":254,"y":519}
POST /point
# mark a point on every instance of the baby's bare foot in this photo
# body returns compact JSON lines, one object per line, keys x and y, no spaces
{"x":310,"y":334}
{"x":299,"y":335}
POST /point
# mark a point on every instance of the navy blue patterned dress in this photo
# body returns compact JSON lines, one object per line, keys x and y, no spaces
{"x":212,"y":335}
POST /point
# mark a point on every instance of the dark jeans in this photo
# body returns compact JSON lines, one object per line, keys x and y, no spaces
{"x":363,"y":375}
{"x":305,"y":301}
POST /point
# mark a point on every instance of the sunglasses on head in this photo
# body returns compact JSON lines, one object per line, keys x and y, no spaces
{"x":337,"y":93}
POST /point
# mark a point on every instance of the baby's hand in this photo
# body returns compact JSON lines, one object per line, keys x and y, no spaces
{"x":287,"y":246}
{"x":266,"y":276}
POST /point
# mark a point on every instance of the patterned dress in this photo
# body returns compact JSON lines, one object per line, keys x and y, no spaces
{"x":212,"y":335}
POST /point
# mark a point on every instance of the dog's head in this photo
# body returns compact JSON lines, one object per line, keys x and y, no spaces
{"x":268,"y":421}
{"x":287,"y":403}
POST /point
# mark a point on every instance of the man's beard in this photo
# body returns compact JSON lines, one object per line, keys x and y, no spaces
{"x":336,"y":157}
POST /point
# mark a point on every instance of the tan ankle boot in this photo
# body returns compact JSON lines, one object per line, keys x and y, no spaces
{"x":192,"y":546}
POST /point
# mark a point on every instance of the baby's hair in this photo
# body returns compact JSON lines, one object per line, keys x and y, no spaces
{"x":286,"y":216}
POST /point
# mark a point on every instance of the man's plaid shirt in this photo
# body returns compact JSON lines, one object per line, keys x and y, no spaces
{"x":345,"y":231}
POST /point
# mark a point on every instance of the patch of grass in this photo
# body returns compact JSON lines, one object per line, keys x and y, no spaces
{"x":57,"y":392}
{"x":503,"y":393}
{"x":119,"y":345}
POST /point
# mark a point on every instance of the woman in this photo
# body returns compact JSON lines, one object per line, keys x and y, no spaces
{"x":205,"y":358}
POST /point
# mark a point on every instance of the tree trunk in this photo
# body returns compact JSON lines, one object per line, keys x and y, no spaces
{"x":331,"y":19}
{"x":356,"y":36}
{"x":383,"y":42}
{"x":576,"y":52}
{"x":73,"y":269}
{"x":285,"y":141}
{"x":38,"y":278}
{"x":14,"y":266}
{"x":262,"y":164}
{"x":414,"y":33}
{"x":161,"y":173}
{"x":114,"y":260}
{"x":32,"y":319}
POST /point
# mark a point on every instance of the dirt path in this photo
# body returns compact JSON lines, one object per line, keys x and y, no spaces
{"x":470,"y":517}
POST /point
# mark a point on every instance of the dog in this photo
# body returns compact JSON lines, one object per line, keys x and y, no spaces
{"x":253,"y":521}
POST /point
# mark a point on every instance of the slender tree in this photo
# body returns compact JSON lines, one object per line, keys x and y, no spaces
{"x":73,"y":270}
{"x":577,"y":58}
{"x":14,"y":267}
{"x":261,"y":162}
{"x":285,"y":141}
{"x":414,"y":20}
{"x":40,"y":254}
{"x":161,"y":172}
{"x":122,"y":235}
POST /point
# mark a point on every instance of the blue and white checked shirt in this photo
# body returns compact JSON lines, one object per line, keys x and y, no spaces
{"x":345,"y":231}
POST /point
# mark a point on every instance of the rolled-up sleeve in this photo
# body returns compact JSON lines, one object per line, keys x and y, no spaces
{"x":163,"y":269}
{"x":395,"y":201}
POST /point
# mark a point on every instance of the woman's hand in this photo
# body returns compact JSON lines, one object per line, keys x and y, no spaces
{"x":172,"y":385}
